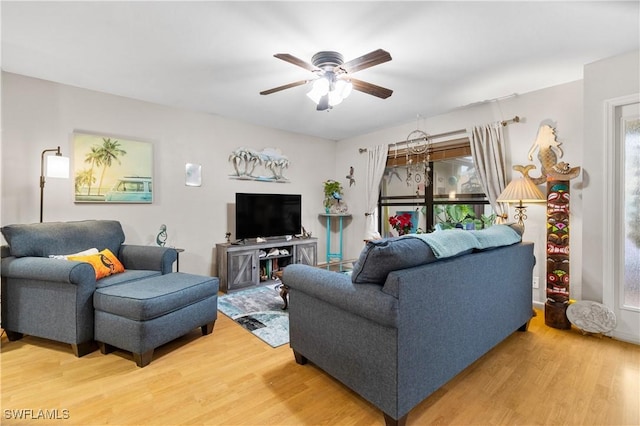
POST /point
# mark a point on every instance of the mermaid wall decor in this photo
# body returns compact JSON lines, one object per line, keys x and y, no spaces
{"x":548,"y":153}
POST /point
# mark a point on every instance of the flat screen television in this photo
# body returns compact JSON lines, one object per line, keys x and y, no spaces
{"x":268,"y":215}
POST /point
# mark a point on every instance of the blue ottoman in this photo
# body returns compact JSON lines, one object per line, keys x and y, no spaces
{"x":141,"y":315}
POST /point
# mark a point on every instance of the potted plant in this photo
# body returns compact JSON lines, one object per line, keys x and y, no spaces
{"x":455,"y":216}
{"x":401,"y":223}
{"x":459,"y":215}
{"x":332,"y":191}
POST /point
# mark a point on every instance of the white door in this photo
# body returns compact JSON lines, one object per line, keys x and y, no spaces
{"x":622,"y":227}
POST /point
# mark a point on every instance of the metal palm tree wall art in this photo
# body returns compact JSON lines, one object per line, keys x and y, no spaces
{"x":267,"y":165}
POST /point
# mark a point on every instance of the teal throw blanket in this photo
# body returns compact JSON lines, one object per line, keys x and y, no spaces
{"x":448,"y":243}
{"x":453,"y":242}
{"x":497,"y":236}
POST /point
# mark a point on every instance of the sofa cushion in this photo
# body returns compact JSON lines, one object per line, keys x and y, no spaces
{"x":129,"y":275}
{"x":44,"y":239}
{"x":155,"y":296}
{"x":104,"y":263}
{"x":379,"y":257}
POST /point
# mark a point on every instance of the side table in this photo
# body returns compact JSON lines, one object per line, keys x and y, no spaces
{"x":334,"y":255}
{"x":342,"y":266}
{"x":284,"y":290}
{"x":178,"y":250}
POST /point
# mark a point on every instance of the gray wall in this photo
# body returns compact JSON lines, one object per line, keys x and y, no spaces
{"x":38,"y":115}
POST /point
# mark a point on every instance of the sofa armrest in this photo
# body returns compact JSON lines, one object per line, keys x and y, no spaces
{"x":45,"y":269}
{"x":334,"y":288}
{"x":151,"y":258}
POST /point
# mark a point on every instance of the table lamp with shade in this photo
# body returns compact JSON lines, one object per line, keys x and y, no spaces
{"x":521,"y":190}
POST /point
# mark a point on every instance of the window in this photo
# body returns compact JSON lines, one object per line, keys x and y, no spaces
{"x":439,"y":191}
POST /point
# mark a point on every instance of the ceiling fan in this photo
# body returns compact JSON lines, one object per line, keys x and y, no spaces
{"x":333,"y":81}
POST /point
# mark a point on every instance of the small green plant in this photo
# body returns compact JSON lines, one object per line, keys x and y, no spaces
{"x":487,"y":221}
{"x":331,"y":187}
{"x":458,"y":215}
{"x":454,"y":215}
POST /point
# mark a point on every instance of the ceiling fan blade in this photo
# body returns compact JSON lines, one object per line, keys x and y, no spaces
{"x":286,"y":86}
{"x":366,"y":61}
{"x":371,"y":89}
{"x":296,"y":61}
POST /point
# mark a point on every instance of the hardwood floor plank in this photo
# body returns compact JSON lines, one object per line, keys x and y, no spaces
{"x":541,"y":377}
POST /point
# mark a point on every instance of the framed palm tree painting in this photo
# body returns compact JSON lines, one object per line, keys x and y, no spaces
{"x":108,"y":169}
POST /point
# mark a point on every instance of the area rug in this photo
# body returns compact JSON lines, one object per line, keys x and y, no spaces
{"x":258,"y":310}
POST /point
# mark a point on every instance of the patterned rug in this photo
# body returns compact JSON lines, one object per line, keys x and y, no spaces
{"x":258,"y":310}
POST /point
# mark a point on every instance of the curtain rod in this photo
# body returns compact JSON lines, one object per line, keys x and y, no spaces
{"x":515,"y":119}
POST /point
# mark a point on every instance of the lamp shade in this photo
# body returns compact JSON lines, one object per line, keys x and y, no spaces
{"x":57,"y":166}
{"x":521,"y":190}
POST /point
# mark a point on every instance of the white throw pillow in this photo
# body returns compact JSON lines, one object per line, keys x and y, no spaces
{"x":82,"y":253}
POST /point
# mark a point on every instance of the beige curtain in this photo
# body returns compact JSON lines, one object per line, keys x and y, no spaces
{"x":376,"y":163}
{"x":487,"y":150}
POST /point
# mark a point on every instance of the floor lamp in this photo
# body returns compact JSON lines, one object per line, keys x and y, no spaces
{"x":521,"y":190}
{"x":57,"y":167}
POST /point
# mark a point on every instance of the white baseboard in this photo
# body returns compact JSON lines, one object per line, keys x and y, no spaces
{"x":625,"y":337}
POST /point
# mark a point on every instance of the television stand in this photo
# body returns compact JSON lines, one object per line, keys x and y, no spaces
{"x":242,"y":265}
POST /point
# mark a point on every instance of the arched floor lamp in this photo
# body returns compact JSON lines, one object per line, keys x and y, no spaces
{"x":57,"y":167}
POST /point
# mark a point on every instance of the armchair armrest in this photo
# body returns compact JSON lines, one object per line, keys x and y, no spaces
{"x":365,"y":300}
{"x":45,"y":269}
{"x":49,"y":298}
{"x":148,"y":257}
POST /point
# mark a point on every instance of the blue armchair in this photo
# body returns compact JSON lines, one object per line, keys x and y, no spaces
{"x":53,"y":298}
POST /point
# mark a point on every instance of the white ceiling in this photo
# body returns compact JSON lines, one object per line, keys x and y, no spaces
{"x":217,"y":56}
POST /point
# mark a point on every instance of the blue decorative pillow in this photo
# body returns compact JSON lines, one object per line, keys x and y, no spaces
{"x":380,"y":257}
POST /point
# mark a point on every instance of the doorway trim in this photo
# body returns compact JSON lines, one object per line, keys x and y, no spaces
{"x":613,"y":216}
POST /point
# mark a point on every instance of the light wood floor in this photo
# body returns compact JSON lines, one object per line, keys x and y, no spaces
{"x":544,"y":376}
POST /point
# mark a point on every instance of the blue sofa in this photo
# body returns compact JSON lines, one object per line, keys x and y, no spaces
{"x":53,"y":299}
{"x":414,"y":313}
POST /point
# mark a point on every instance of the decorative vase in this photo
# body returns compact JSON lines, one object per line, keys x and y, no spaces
{"x":339,"y":208}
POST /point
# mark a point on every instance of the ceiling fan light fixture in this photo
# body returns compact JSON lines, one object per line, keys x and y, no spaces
{"x":333,"y":83}
{"x":319,"y":89}
{"x":344,"y":88}
{"x":314,"y":96}
{"x":322,"y":86}
{"x":335,"y":98}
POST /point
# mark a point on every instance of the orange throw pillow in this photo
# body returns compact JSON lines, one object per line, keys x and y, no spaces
{"x":105,"y":263}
